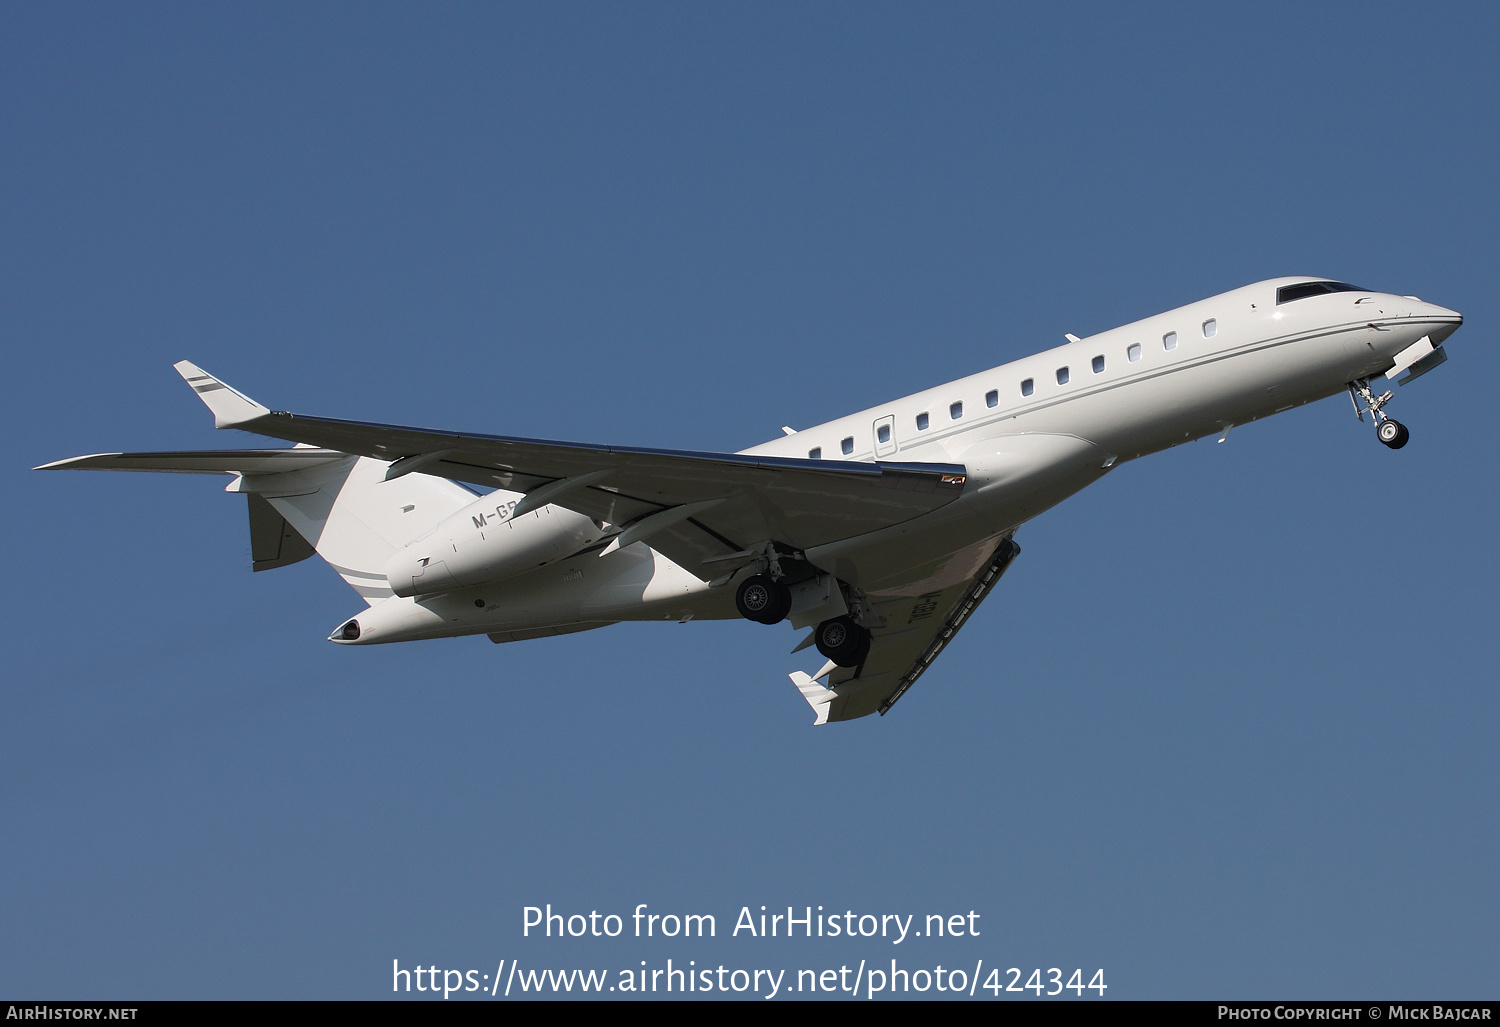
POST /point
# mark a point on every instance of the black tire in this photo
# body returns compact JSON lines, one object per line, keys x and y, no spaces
{"x":843,"y":641}
{"x":1392,"y":433}
{"x":763,"y":599}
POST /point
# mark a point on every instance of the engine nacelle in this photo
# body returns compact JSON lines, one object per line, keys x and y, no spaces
{"x":483,"y":542}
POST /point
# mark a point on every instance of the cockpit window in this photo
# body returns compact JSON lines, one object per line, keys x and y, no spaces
{"x":1287,"y":293}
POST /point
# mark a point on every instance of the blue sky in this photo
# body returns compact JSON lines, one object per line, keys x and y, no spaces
{"x":1226,"y":730}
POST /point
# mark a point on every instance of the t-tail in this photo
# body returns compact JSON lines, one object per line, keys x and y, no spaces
{"x":304,"y":500}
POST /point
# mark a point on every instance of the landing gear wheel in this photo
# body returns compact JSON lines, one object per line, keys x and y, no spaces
{"x":764,"y":599}
{"x":1392,"y":433}
{"x":843,"y":641}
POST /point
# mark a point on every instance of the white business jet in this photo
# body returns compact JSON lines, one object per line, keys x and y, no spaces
{"x":881,"y":531}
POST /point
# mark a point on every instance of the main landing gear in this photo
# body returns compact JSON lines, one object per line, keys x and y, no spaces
{"x":767,"y":599}
{"x":1390,"y":433}
{"x":843,"y":641}
{"x":762,"y":598}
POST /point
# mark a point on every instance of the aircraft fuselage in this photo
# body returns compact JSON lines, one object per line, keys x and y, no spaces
{"x":1030,"y":433}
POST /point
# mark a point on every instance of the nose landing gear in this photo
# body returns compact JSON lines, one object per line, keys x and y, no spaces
{"x":1391,"y":433}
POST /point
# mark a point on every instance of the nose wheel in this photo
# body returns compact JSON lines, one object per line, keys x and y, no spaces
{"x":1392,"y":434}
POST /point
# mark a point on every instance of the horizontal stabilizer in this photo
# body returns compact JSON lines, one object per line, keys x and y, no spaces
{"x":222,"y":461}
{"x":305,"y":500}
{"x":230,"y":407}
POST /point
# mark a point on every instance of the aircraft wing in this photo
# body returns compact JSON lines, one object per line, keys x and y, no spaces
{"x":915,"y":629}
{"x":692,"y":506}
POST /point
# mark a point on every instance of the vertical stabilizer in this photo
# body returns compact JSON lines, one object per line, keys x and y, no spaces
{"x":273,"y":542}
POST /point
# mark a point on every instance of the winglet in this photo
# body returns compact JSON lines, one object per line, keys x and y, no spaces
{"x":231,"y":408}
{"x":818,"y":697}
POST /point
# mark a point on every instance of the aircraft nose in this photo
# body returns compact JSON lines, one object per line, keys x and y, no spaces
{"x":1448,"y":322}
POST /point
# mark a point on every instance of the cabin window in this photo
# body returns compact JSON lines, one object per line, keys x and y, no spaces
{"x":992,"y":398}
{"x":1169,"y":341}
{"x":816,"y":453}
{"x":1099,"y":365}
{"x":1210,"y":328}
{"x":1028,"y":387}
{"x":1134,"y":352}
{"x":922,"y":421}
{"x":848,"y":445}
{"x":956,"y":410}
{"x":883,"y":434}
{"x":1062,"y":376}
